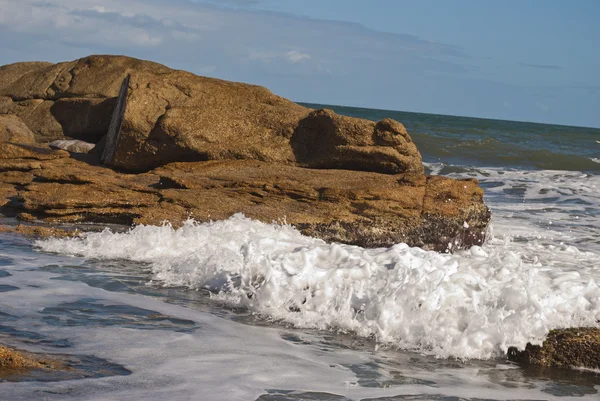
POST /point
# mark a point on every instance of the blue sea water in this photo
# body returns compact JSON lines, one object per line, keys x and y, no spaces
{"x":241,"y":310}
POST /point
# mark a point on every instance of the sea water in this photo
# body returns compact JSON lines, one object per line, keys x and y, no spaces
{"x":242,"y":310}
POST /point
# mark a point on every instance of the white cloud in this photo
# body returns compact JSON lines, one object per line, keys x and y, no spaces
{"x":297,"y":57}
{"x":268,"y":57}
{"x":264,"y":56}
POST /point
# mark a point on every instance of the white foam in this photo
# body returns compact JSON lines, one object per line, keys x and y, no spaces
{"x":221,"y":359}
{"x":551,"y":206}
{"x":473,"y":304}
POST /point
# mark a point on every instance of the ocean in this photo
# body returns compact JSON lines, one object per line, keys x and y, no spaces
{"x":242,"y":310}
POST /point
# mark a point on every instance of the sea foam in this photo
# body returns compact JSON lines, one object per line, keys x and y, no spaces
{"x":471,"y":304}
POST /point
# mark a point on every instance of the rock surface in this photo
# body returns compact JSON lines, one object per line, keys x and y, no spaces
{"x":334,"y":205}
{"x":174,"y":115}
{"x":564,"y":348}
{"x":12,"y":129}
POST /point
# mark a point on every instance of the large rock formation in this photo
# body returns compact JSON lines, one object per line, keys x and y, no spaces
{"x":208,"y":148}
{"x":177,"y":116}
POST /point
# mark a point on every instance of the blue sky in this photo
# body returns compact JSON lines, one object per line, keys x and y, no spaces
{"x":526,"y":60}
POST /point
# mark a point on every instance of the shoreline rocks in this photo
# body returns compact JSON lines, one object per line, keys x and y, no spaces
{"x":166,"y":115}
{"x":175,"y":145}
{"x":334,"y":205}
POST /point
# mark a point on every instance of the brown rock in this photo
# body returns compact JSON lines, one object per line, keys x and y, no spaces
{"x":11,"y":359}
{"x":25,"y":152}
{"x":334,"y":205}
{"x":12,"y":129}
{"x":38,"y":231}
{"x":177,"y":116}
{"x":567,"y":348}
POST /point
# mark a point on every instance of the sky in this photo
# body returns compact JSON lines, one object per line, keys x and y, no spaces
{"x":524,"y":60}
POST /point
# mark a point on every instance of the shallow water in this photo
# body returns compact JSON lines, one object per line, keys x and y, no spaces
{"x":243,"y":310}
{"x":179,"y":344}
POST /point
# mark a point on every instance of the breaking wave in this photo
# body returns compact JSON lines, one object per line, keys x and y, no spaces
{"x":472,"y":304}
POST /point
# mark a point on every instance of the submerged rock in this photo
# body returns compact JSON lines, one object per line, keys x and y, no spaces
{"x":11,"y":359}
{"x":206,"y":148}
{"x":20,"y":366}
{"x":567,"y":348}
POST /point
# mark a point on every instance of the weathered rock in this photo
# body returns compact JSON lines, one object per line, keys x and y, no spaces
{"x":72,"y":145}
{"x":567,"y":348}
{"x":334,"y":205}
{"x":12,"y":129}
{"x":24,"y":152}
{"x":177,"y":116}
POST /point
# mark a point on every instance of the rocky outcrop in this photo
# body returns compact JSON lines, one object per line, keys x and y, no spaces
{"x":177,"y":116}
{"x":563,"y":348}
{"x":335,"y":205}
{"x":207,"y":148}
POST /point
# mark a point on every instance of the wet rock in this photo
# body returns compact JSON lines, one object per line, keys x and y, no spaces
{"x":12,"y":129}
{"x":334,"y":205}
{"x":20,"y":366}
{"x":567,"y":348}
{"x":11,"y":359}
{"x":72,"y":145}
{"x":37,"y":231}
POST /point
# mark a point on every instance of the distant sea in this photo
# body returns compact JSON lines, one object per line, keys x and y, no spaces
{"x":242,"y":310}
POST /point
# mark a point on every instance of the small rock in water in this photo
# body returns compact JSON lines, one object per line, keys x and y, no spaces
{"x":13,"y":359}
{"x":563,"y":348}
{"x":72,"y":145}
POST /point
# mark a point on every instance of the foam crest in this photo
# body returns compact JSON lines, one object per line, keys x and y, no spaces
{"x":472,"y":304}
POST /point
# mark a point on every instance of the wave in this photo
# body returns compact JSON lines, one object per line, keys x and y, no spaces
{"x":472,"y":304}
